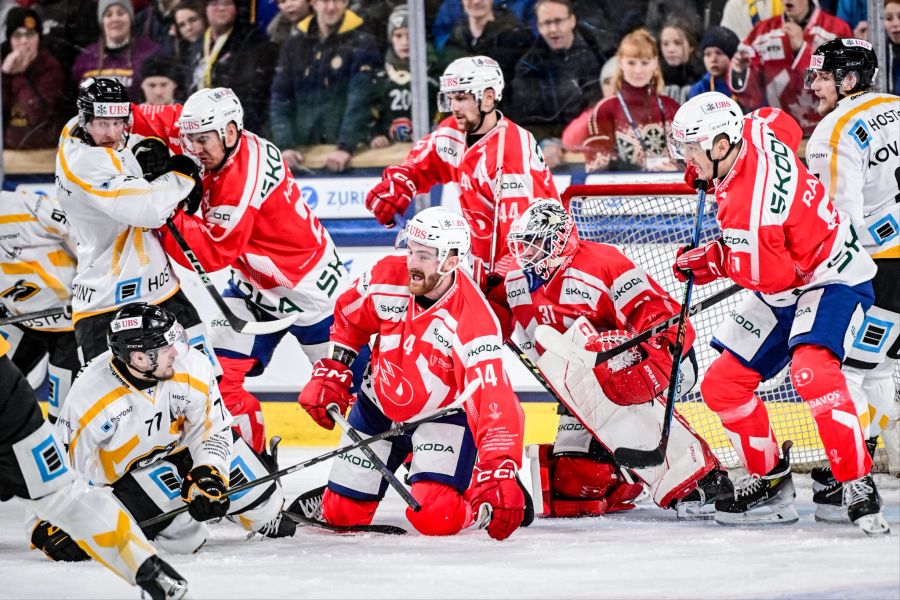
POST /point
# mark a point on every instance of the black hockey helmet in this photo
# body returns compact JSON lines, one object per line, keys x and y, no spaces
{"x":102,"y":97}
{"x":142,"y":327}
{"x":842,"y":57}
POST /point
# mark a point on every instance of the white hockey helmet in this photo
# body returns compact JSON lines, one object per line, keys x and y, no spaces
{"x":471,"y":75}
{"x":438,"y":228}
{"x":541,"y":235}
{"x":210,"y":109}
{"x":701,"y":119}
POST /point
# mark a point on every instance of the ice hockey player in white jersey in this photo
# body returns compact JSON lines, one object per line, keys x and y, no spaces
{"x":147,"y":419}
{"x":38,"y":264}
{"x":855,"y":152}
{"x":34,"y":466}
{"x":112,"y":211}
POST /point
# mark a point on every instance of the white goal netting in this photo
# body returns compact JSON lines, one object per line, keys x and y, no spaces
{"x":649,"y":222}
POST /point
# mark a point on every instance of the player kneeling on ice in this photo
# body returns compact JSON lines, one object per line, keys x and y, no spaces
{"x":593,"y":295}
{"x":146,"y":419}
{"x":435,"y":333}
{"x":811,"y":282}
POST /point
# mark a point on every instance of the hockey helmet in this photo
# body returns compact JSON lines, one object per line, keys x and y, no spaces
{"x":701,"y":119}
{"x":210,"y":110}
{"x":842,"y":57}
{"x":438,"y":228}
{"x":142,"y":327}
{"x":470,"y":75}
{"x":541,"y":236}
{"x":103,"y":97}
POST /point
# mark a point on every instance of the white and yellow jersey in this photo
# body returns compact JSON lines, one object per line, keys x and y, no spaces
{"x":855,"y":151}
{"x":37,"y":262}
{"x":112,"y":211}
{"x":110,"y":426}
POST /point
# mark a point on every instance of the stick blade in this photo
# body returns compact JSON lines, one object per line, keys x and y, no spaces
{"x":639,"y":459}
{"x":265,"y":327}
{"x":555,"y":342}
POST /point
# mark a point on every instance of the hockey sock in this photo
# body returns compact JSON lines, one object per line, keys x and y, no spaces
{"x":816,"y":374}
{"x":243,"y":405}
{"x":344,"y":511}
{"x":727,"y":388}
{"x":444,"y":510}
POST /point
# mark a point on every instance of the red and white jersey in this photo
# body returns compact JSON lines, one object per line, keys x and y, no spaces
{"x":597,"y":282}
{"x":776,"y":72}
{"x":423,"y":358}
{"x":443,"y":157}
{"x":253,"y":218}
{"x":780,"y":230}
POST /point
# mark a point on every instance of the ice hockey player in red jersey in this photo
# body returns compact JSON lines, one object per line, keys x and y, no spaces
{"x":435,"y":333}
{"x":480,"y":150}
{"x":811,"y":281}
{"x":594,"y":290}
{"x":252,"y":218}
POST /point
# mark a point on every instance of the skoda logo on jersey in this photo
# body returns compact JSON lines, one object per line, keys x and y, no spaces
{"x":309,"y":195}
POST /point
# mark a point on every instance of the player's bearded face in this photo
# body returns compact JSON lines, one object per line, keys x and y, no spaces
{"x":421,"y":262}
{"x":465,"y":110}
{"x":106,"y":132}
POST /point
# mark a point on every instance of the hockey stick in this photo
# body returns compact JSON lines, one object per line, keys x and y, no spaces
{"x":555,"y":342}
{"x":641,"y":459}
{"x":493,"y":279}
{"x":335,"y":413}
{"x":236,"y":323}
{"x":40,"y":314}
{"x":529,"y":364}
{"x":398,"y":429}
{"x":307,"y":510}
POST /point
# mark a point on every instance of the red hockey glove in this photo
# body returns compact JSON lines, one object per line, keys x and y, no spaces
{"x":330,"y":383}
{"x":706,"y":262}
{"x":692,"y":178}
{"x":636,"y":383}
{"x":494,"y":482}
{"x":202,"y":489}
{"x":391,"y":195}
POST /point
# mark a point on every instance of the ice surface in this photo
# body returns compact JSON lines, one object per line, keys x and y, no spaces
{"x":641,"y":554}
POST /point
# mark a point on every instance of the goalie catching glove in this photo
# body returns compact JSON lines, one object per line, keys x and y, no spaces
{"x":707,"y":263}
{"x":494,"y":482}
{"x":637,"y":375}
{"x":391,"y":195}
{"x":330,"y":384}
{"x":203,"y":490}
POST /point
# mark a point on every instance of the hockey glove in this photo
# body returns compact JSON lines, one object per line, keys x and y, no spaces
{"x":391,"y":195}
{"x":330,"y":383}
{"x":627,"y":384}
{"x":203,"y":488}
{"x":494,"y":483}
{"x":692,"y":178}
{"x":187,"y":167}
{"x":56,"y":543}
{"x":706,"y":262}
{"x":153,"y":156}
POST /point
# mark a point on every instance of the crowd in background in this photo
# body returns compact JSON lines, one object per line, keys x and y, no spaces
{"x":598,"y":77}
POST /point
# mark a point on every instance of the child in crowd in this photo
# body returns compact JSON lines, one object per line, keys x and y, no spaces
{"x":718,"y":46}
{"x":681,"y":67}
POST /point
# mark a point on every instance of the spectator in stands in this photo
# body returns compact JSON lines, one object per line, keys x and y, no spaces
{"x":33,"y":86}
{"x":159,"y":81}
{"x":740,"y":16}
{"x":70,"y":26}
{"x":659,"y":11}
{"x":190,"y":24}
{"x":781,"y":48}
{"x":578,"y":130}
{"x":156,"y":22}
{"x":557,"y":78}
{"x":237,"y":56}
{"x":855,"y":14}
{"x":629,"y":131}
{"x":487,"y":31}
{"x":284,"y":25}
{"x":450,"y":13}
{"x":892,"y":29}
{"x":718,"y":46}
{"x":117,"y":54}
{"x":321,"y":88}
{"x":681,"y":67}
{"x":375,"y":15}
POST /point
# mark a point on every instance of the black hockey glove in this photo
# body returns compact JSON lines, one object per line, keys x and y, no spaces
{"x":56,"y":543}
{"x":202,"y":489}
{"x":153,"y":156}
{"x":184,"y":165}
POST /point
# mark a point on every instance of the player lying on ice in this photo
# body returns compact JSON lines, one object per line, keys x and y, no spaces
{"x":811,"y":282}
{"x":146,"y":419}
{"x":597,"y":296}
{"x":435,"y":333}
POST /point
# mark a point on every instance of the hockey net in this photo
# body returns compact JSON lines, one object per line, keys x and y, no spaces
{"x":649,"y":221}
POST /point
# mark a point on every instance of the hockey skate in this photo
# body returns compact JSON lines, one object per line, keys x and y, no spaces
{"x":864,"y":506}
{"x":828,"y":492}
{"x":158,"y":580}
{"x":759,"y":500}
{"x":280,"y":526}
{"x":700,"y":503}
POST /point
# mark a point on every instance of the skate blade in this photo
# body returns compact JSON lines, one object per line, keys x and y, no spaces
{"x":692,"y":511}
{"x":834,"y":515}
{"x":786,"y":515}
{"x":873,"y":525}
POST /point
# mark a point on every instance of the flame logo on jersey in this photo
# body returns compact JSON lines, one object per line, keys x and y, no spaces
{"x":390,"y":384}
{"x":20,"y":291}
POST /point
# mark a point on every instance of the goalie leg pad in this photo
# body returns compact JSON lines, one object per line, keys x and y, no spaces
{"x":344,"y":511}
{"x":444,"y":510}
{"x":816,"y":374}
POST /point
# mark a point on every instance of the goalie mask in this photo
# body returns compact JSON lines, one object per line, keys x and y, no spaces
{"x":843,"y":58}
{"x":542,"y":236}
{"x":147,"y":328}
{"x":438,"y":228}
